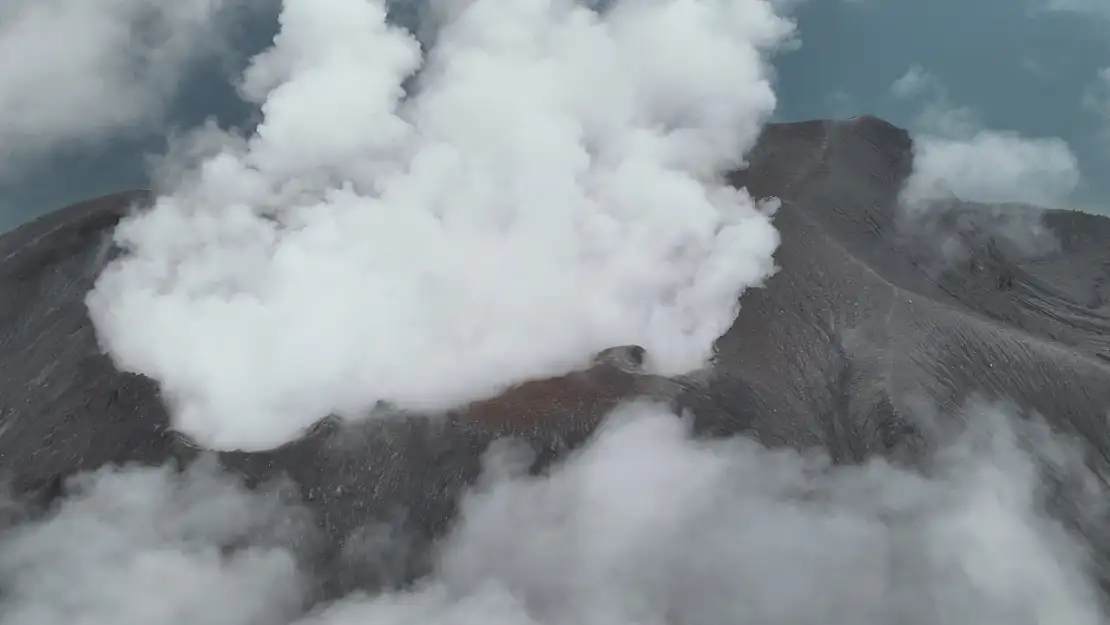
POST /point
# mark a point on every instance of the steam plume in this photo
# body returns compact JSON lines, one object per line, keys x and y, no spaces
{"x":74,"y":73}
{"x":957,"y":157}
{"x":548,"y":188}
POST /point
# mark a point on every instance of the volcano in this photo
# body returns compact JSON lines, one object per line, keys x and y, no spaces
{"x":865,"y":323}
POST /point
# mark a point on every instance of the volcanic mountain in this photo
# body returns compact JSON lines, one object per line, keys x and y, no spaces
{"x":868,"y":321}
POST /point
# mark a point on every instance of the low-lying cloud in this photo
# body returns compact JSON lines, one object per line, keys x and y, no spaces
{"x":146,"y":546}
{"x":646,"y":524}
{"x":993,"y":167}
{"x":957,"y":157}
{"x":549,"y":186}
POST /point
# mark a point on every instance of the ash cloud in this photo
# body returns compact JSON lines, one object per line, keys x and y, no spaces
{"x":548,"y":185}
{"x":645,"y":524}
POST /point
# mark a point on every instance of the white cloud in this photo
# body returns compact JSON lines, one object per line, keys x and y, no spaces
{"x":552,"y":189}
{"x":994,"y":167}
{"x":1096,"y":100}
{"x":74,"y":72}
{"x":840,"y":104}
{"x":750,"y":535}
{"x":153,"y":547}
{"x":915,"y":82}
{"x":956,"y":156}
{"x":645,"y":525}
{"x":937,"y":114}
{"x":1083,"y":7}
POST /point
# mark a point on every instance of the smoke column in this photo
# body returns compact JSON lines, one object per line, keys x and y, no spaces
{"x":548,"y":186}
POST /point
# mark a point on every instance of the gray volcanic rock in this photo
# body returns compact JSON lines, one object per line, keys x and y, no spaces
{"x":864,"y":324}
{"x":64,"y":407}
{"x":864,"y":321}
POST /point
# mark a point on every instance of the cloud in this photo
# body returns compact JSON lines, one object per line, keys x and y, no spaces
{"x":994,"y":167}
{"x":646,"y":524}
{"x":936,"y":114}
{"x":1096,"y":100}
{"x":154,"y":547}
{"x":957,"y":157}
{"x":840,"y":104}
{"x":1083,"y":7}
{"x":551,"y":187}
{"x":914,"y":82}
{"x":75,"y":73}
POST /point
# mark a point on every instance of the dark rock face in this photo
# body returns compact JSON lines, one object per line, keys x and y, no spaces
{"x":837,"y":351}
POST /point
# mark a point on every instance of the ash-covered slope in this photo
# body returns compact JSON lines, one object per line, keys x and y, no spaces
{"x":863,"y":327}
{"x":64,"y":406}
{"x":873,"y":314}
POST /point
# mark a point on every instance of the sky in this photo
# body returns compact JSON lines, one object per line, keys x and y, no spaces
{"x":1018,"y":66}
{"x":1030,"y":66}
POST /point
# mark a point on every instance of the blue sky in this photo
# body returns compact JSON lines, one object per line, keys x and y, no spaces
{"x":1011,"y":65}
{"x":1019,"y":68}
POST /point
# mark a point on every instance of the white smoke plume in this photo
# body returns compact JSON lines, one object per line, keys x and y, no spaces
{"x":74,"y":72}
{"x":956,"y":156}
{"x":550,"y":187}
{"x":644,"y":525}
